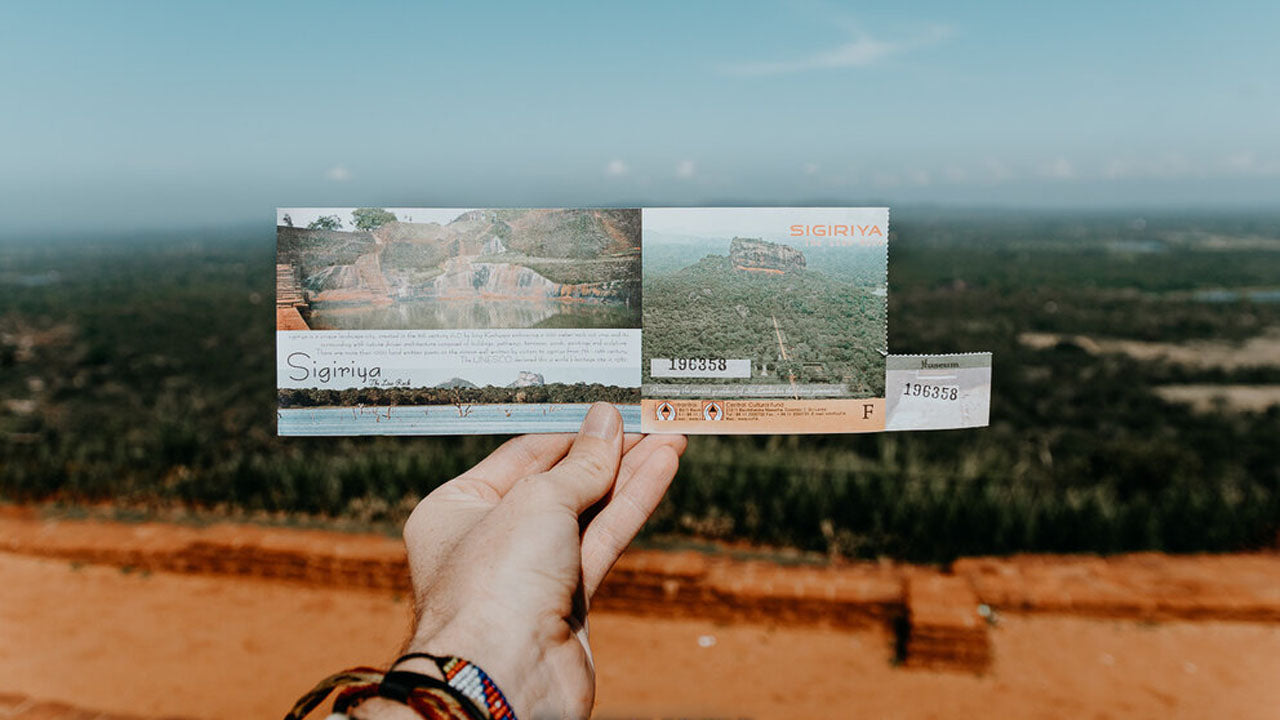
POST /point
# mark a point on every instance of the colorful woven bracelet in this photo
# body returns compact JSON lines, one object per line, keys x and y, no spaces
{"x":467,"y":692}
{"x":430,"y":698}
{"x":467,"y":678}
{"x":423,"y":697}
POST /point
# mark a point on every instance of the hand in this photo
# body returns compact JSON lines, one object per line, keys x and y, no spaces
{"x":506,"y":557}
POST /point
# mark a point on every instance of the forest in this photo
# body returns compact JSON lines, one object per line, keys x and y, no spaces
{"x":139,"y":372}
{"x":833,"y":331}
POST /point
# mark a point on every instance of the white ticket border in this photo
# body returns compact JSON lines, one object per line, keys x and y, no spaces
{"x":970,"y":371}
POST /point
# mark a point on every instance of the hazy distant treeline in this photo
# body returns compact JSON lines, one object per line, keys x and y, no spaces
{"x":145,"y":373}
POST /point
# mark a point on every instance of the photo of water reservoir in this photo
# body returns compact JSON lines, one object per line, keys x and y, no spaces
{"x":427,"y":269}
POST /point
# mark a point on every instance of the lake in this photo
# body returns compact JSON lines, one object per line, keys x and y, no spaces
{"x":443,"y":419}
{"x":436,"y":314}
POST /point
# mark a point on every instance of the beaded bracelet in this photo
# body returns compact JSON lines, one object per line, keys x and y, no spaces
{"x":467,"y":678}
{"x":468,"y":693}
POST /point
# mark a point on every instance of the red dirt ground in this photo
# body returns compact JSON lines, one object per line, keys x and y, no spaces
{"x":684,"y":636}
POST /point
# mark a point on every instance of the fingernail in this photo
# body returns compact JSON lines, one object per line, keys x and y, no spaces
{"x":601,"y":422}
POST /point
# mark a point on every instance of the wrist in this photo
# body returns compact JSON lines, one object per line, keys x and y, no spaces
{"x":512,"y":661}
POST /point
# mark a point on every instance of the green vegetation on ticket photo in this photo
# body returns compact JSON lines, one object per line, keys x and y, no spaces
{"x":813,"y":315}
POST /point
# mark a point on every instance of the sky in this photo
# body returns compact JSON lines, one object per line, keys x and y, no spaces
{"x":133,"y":115}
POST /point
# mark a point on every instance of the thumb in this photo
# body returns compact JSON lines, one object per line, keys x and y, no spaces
{"x":588,"y":471}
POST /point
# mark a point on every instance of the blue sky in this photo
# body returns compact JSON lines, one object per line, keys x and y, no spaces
{"x":136,"y":115}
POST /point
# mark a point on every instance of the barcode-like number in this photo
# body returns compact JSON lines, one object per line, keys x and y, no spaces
{"x":700,"y":364}
{"x":932,"y":392}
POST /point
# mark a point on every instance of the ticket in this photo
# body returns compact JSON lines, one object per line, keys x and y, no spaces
{"x":423,"y":321}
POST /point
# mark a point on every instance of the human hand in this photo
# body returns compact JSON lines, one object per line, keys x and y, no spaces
{"x":506,"y":557}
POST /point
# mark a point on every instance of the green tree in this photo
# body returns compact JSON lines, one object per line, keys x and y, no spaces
{"x":371,"y":218}
{"x":326,"y":222}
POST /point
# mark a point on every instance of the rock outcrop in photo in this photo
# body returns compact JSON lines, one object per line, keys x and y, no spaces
{"x":456,"y":382}
{"x":463,"y":278}
{"x":527,"y":379}
{"x":754,"y":255}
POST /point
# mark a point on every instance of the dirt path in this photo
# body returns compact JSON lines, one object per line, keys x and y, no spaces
{"x":1259,"y":351}
{"x":782,"y":348}
{"x":205,"y":646}
{"x":1207,"y":398}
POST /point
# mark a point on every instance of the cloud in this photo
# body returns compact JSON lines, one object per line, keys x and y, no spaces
{"x":686,"y":169}
{"x":811,"y":168}
{"x":996,"y":171}
{"x":616,"y":168}
{"x":337,"y":173}
{"x":1117,"y":169}
{"x":886,"y":180}
{"x":1241,"y":162}
{"x":1247,"y":163}
{"x":1059,"y":169}
{"x":861,"y":51}
{"x":1165,"y":167}
{"x":1176,"y":166}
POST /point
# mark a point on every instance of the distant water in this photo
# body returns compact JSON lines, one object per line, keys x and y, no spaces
{"x":1225,"y":296}
{"x":443,"y":420}
{"x":436,"y":314}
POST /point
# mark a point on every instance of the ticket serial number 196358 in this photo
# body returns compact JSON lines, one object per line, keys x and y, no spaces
{"x":931,"y":392}
{"x":699,"y":367}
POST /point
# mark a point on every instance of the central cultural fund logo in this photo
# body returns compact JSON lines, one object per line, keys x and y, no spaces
{"x":665,"y":411}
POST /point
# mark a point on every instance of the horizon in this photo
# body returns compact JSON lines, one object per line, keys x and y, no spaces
{"x":908,"y":214}
{"x":155,"y":115}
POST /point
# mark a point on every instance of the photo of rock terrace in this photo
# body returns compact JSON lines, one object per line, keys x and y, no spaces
{"x":483,"y":269}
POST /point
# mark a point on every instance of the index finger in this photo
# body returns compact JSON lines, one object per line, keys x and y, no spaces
{"x":519,"y":457}
{"x":493,"y":476}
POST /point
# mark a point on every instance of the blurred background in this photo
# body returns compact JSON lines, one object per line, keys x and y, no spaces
{"x":1088,"y":191}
